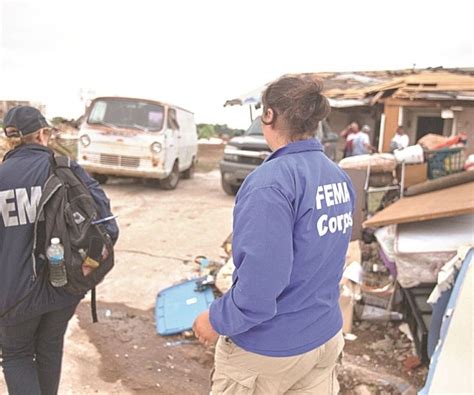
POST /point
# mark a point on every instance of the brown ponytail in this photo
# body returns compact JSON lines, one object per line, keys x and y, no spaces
{"x":298,"y":103}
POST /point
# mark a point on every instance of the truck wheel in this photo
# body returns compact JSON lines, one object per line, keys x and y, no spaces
{"x":100,"y":178}
{"x":189,"y":173}
{"x":228,"y":188}
{"x":171,"y":182}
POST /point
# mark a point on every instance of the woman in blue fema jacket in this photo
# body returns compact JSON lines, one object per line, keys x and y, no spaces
{"x":33,"y":314}
{"x":280,"y":323}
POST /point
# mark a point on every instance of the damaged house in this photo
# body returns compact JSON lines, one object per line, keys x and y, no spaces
{"x":435,"y":100}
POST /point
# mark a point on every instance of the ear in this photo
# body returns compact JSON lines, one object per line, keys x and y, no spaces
{"x":43,"y":137}
{"x":268,"y":116}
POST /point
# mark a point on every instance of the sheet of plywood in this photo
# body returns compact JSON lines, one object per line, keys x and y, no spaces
{"x":444,"y":203}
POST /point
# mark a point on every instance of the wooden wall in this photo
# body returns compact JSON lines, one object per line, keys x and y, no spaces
{"x":391,"y":124}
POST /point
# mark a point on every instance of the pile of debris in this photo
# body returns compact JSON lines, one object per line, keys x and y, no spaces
{"x":415,"y":249}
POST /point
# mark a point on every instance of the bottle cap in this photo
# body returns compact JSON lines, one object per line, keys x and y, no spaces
{"x":55,"y":240}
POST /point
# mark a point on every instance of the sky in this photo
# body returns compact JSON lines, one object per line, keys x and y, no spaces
{"x":197,"y":54}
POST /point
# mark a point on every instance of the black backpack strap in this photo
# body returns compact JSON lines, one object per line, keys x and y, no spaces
{"x":58,"y":161}
{"x":94,"y":306}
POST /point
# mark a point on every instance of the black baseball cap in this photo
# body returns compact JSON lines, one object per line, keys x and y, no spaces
{"x":23,"y":120}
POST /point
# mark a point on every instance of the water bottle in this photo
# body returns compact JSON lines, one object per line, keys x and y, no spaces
{"x":57,"y":269}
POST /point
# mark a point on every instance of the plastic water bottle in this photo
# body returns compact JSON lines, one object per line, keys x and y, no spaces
{"x":57,"y":269}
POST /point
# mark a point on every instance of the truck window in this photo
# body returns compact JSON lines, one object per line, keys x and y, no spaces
{"x":172,"y":119}
{"x":127,"y":113}
{"x":255,"y":128}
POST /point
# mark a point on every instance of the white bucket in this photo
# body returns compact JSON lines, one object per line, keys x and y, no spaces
{"x":410,"y":155}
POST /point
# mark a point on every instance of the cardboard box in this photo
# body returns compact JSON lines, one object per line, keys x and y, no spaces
{"x":414,"y":174}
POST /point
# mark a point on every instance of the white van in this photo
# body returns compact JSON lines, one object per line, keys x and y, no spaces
{"x":138,"y":138}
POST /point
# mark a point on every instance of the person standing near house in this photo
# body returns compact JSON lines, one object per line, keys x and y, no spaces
{"x":361,"y":142}
{"x":400,"y":140}
{"x":348,"y":134}
{"x":280,"y":323}
{"x":33,"y":314}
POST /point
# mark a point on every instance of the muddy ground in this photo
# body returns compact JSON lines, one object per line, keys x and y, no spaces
{"x":161,"y":233}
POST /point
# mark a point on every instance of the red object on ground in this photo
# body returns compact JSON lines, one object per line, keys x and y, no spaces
{"x":412,"y":362}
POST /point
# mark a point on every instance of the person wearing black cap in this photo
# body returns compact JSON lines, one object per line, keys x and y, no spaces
{"x":33,"y":314}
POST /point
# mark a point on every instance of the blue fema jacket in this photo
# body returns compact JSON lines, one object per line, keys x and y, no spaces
{"x":292,"y":226}
{"x":22,"y":176}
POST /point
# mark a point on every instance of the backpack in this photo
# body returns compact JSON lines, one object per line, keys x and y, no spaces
{"x":69,"y":212}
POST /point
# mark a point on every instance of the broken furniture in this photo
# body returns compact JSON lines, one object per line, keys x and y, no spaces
{"x":417,"y":313}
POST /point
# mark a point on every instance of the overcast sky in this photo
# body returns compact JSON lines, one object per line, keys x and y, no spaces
{"x":199,"y":53}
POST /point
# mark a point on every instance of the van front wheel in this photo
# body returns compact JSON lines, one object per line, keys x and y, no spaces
{"x":171,"y":182}
{"x":189,"y":173}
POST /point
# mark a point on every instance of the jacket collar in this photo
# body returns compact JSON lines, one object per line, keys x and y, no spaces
{"x":298,"y":146}
{"x":26,"y":149}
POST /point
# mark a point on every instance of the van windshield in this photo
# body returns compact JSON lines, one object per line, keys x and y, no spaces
{"x":127,"y":113}
{"x":255,"y":128}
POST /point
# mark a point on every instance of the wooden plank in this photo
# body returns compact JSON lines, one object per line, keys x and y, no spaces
{"x":448,"y":202}
{"x":425,"y":103}
{"x":391,"y":124}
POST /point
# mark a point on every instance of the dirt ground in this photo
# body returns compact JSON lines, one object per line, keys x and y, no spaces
{"x":161,"y":233}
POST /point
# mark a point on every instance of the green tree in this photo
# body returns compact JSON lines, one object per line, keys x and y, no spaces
{"x":206,"y":131}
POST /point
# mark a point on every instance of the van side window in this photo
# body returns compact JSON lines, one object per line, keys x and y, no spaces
{"x":172,"y":119}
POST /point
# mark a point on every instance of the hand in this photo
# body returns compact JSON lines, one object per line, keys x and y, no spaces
{"x":86,"y":270}
{"x":203,"y":329}
{"x":105,"y":253}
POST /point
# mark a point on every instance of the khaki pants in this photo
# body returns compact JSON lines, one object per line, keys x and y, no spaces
{"x":239,"y":372}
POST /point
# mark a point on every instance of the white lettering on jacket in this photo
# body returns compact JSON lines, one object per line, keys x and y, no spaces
{"x":330,"y":195}
{"x":340,"y":223}
{"x":17,"y":208}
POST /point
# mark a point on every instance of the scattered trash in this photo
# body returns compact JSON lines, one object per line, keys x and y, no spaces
{"x":353,"y":272}
{"x":412,"y":362}
{"x":178,"y":343}
{"x":362,"y":390}
{"x":178,"y":306}
{"x":386,"y":344}
{"x":350,"y":337}
{"x":373,"y":313}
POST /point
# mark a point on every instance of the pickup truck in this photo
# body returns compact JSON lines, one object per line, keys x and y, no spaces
{"x":244,"y":153}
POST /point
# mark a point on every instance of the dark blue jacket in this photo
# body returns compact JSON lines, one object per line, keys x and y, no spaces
{"x":292,"y":226}
{"x":22,"y":176}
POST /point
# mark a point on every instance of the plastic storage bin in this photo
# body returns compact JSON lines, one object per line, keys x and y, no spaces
{"x":444,"y":161}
